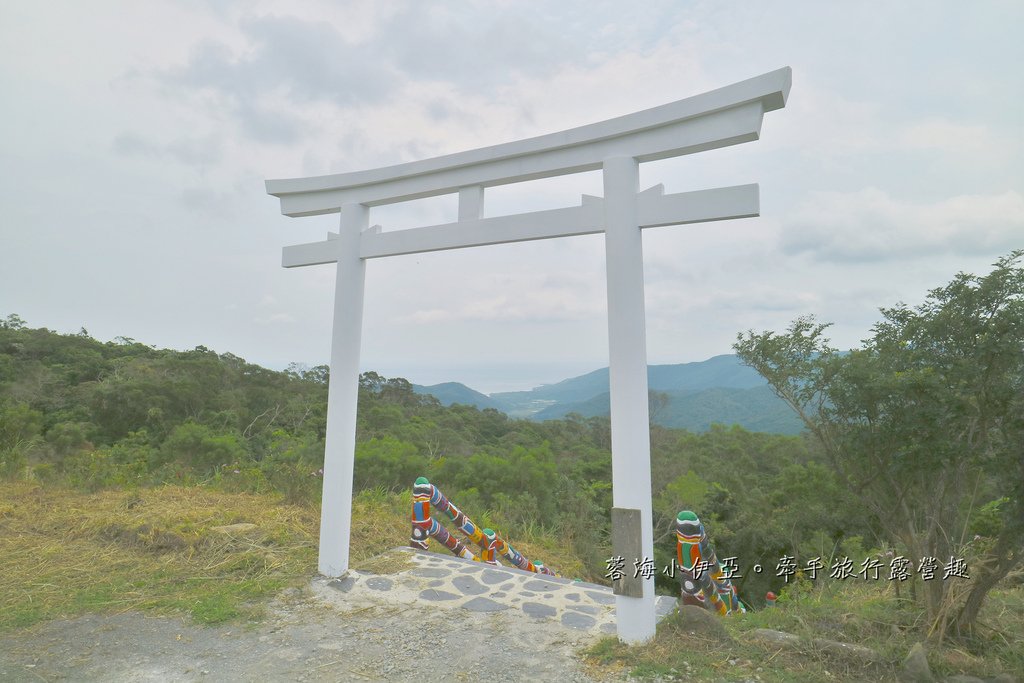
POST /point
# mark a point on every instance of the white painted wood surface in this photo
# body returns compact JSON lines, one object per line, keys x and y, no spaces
{"x":627,"y":376}
{"x":719,"y":118}
{"x":343,"y":394}
{"x":654,"y":210}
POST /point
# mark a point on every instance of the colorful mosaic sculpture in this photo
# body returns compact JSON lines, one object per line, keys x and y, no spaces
{"x":702,"y":576}
{"x":499,"y":545}
{"x":424,"y":526}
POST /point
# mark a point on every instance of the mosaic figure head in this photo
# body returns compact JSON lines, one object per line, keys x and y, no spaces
{"x":688,"y":527}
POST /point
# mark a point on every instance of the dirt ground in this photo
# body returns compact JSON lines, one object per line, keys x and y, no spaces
{"x":308,"y":635}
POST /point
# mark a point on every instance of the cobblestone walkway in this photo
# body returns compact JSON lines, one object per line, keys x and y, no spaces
{"x":436,"y":581}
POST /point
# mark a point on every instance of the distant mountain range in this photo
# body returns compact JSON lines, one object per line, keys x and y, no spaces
{"x":720,"y":389}
{"x":450,"y":393}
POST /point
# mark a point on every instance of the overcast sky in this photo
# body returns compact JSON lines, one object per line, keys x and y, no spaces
{"x":136,"y":137}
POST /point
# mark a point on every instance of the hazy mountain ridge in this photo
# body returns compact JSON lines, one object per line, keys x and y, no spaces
{"x":449,"y":393}
{"x":718,"y":390}
{"x":756,"y":409}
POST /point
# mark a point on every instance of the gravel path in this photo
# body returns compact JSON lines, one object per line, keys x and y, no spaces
{"x":300,"y":641}
{"x":321,"y":633}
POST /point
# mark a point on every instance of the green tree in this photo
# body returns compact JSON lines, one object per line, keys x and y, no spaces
{"x":20,"y":428}
{"x":387,"y":462}
{"x":201,"y":448}
{"x":18,"y":424}
{"x":925,"y":423}
{"x":12,"y":322}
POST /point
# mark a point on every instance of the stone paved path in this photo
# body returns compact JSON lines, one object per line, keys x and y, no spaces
{"x":437,"y":617}
{"x":436,"y":581}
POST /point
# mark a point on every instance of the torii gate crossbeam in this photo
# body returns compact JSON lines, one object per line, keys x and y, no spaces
{"x":719,"y":118}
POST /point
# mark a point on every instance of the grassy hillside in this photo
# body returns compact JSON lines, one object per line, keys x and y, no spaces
{"x":220,"y":557}
{"x":210,"y":554}
{"x":120,"y":465}
{"x":75,"y":412}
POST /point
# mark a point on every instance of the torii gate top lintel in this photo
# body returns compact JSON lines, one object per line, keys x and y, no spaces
{"x":719,"y":118}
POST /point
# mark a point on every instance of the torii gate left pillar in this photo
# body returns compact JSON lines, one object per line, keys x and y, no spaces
{"x":343,"y":393}
{"x":719,"y":118}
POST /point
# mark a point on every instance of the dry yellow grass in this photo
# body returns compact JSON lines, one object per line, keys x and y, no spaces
{"x":63,"y":552}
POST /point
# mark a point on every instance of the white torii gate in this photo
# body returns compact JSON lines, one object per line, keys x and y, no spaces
{"x":719,"y":118}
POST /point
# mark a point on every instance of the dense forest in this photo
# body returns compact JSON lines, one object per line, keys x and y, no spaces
{"x":80,"y":412}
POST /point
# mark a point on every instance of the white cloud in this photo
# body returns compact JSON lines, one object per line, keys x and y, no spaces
{"x":275,"y":319}
{"x":829,"y":123}
{"x":989,"y":151}
{"x":527,"y":296}
{"x":870,"y":225}
{"x":941,"y":134}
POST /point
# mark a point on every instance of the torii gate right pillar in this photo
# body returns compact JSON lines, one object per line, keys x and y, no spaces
{"x":627,"y":369}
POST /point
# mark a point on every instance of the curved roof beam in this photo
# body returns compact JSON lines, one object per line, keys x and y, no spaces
{"x":719,"y":118}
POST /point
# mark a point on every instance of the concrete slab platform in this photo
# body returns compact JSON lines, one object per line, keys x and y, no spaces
{"x":433,"y":582}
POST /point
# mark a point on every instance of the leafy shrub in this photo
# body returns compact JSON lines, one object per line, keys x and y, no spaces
{"x":198,"y":447}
